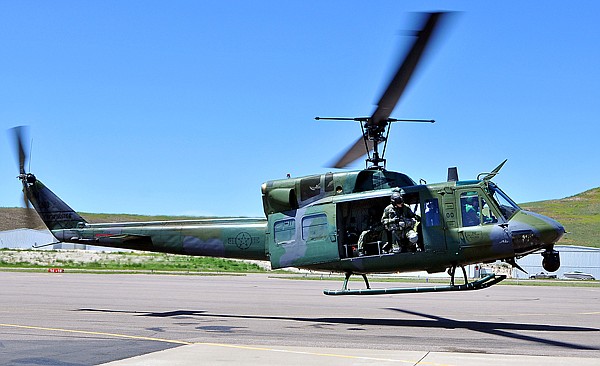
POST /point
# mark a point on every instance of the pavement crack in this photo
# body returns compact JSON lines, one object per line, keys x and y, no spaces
{"x":421,"y":359}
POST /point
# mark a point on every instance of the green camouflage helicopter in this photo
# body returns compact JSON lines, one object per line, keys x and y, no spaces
{"x":314,"y":222}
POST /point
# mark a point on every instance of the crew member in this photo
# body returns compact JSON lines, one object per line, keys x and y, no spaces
{"x":372,"y":233}
{"x":399,"y":220}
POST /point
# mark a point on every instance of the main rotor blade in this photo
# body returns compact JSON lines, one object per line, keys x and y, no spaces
{"x":398,"y":84}
{"x":380,"y":118}
{"x":354,"y":152}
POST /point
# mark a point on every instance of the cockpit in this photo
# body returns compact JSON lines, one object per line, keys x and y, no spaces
{"x":507,"y":206}
{"x":488,"y":208}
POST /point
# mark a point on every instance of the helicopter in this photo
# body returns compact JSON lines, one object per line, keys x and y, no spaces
{"x":313,"y":222}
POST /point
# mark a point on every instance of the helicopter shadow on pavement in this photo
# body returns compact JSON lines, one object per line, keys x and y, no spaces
{"x":504,"y":329}
{"x":501,"y":329}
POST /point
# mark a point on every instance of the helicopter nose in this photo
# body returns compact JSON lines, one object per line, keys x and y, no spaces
{"x":551,"y":231}
{"x":560,"y":231}
{"x":532,"y":231}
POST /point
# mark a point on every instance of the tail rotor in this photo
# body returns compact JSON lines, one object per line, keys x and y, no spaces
{"x":19,"y":135}
{"x":53,"y":211}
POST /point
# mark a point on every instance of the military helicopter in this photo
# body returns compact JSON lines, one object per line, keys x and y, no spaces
{"x":313,"y":222}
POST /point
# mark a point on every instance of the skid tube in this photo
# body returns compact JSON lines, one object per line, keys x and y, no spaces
{"x":485,"y":282}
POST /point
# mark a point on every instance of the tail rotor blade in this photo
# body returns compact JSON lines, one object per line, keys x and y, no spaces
{"x":19,"y":138}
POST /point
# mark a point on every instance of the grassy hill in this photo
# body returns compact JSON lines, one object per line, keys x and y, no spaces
{"x":16,"y":218}
{"x":580,"y":214}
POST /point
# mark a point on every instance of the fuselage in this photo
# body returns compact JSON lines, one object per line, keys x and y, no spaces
{"x":314,"y":222}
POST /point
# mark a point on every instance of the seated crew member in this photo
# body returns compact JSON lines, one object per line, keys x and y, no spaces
{"x":399,"y":220}
{"x":372,"y":233}
{"x":472,"y":214}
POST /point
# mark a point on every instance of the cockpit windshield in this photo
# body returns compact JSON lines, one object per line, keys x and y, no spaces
{"x":507,"y":206}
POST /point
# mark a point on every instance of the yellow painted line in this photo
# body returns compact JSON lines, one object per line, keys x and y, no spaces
{"x":96,"y":333}
{"x":253,"y":348}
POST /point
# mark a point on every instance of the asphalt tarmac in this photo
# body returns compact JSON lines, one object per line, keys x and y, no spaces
{"x":87,"y":319}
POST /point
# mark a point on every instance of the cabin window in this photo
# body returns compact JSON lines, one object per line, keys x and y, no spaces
{"x":487,"y":214}
{"x":432,"y":212}
{"x":284,"y":231}
{"x":314,"y":227}
{"x":310,"y":187}
{"x":469,"y":205}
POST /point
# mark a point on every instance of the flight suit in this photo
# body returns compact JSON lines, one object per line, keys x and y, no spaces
{"x":399,"y":221}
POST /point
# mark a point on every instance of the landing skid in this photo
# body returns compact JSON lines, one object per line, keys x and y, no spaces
{"x":485,"y":282}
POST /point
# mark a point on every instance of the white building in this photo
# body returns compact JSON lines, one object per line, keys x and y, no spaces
{"x":26,"y":239}
{"x":30,"y":239}
{"x":572,"y":258}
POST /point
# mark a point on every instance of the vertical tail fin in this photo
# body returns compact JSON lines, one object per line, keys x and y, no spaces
{"x":55,"y":213}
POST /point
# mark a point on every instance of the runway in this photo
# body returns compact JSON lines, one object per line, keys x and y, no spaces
{"x":85,"y":319}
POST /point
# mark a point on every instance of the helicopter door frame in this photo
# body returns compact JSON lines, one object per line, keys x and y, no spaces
{"x":450,"y":218}
{"x":432,"y":225}
{"x":303,"y":237}
{"x":483,"y":234}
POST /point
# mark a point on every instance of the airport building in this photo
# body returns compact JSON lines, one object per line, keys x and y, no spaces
{"x":27,"y":239}
{"x":572,"y":258}
{"x":30,"y":239}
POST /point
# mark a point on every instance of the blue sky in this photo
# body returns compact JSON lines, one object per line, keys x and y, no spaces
{"x":186,"y":107}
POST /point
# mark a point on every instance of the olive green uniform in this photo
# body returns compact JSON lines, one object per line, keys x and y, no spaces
{"x":399,"y":222}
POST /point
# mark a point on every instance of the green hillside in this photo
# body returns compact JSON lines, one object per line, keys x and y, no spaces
{"x":16,"y":218}
{"x":580,"y":214}
{"x":94,"y":218}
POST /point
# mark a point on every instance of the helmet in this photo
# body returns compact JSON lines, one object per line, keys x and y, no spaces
{"x":396,"y":198}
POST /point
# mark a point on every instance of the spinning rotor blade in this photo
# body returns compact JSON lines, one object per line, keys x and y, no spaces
{"x":395,"y":89}
{"x":354,"y":152}
{"x":20,"y":136}
{"x":18,"y":133}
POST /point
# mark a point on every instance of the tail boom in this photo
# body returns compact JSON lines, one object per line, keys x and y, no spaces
{"x":240,"y":238}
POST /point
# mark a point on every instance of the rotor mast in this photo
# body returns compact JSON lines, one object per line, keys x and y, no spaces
{"x":373,"y":135}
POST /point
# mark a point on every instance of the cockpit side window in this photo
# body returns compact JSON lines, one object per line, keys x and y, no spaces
{"x":487,"y":214}
{"x":469,"y":206}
